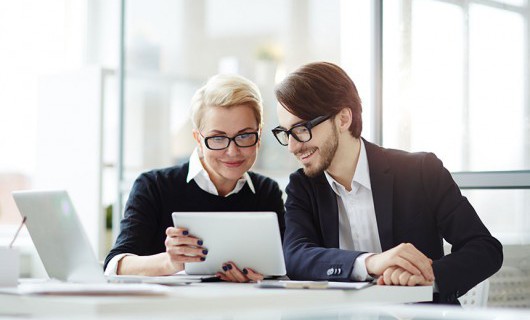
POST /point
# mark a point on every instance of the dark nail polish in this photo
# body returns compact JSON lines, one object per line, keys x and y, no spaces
{"x":199,"y":242}
{"x":229,"y":266}
{"x":204,"y":251}
{"x":185,"y":232}
{"x":225,"y":268}
{"x":203,"y":258}
{"x":245,"y":271}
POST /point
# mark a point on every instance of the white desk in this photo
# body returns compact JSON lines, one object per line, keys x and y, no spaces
{"x":206,"y":300}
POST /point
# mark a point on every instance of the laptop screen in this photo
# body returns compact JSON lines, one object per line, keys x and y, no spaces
{"x":58,"y":236}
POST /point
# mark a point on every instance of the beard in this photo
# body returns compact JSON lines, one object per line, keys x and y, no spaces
{"x":327,"y":153}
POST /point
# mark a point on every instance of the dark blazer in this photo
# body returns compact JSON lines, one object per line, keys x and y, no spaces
{"x":416,"y":201}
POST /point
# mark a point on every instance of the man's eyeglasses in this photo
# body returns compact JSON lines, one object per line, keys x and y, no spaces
{"x":243,"y":140}
{"x":301,"y":132}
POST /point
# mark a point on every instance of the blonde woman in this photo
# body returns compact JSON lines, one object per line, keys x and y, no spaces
{"x":227,"y":120}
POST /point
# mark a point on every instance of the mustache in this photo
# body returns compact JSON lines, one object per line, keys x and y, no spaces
{"x":305,"y":150}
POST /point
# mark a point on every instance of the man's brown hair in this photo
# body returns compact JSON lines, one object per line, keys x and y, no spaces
{"x":320,"y":88}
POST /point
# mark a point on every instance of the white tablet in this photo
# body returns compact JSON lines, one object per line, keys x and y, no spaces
{"x":249,"y":239}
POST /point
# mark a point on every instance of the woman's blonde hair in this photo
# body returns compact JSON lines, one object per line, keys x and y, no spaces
{"x":225,"y":91}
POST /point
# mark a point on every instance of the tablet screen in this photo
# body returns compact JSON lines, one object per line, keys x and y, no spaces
{"x":249,"y":239}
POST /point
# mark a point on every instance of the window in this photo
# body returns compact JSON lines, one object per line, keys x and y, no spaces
{"x":455,"y":81}
{"x":33,"y":45}
{"x":53,"y":89}
{"x":173,"y":47}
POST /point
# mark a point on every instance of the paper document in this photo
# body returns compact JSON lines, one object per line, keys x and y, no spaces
{"x":167,"y":280}
{"x":96,"y":289}
{"x":291,"y":284}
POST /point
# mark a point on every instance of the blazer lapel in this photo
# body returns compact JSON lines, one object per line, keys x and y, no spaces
{"x":328,"y":212}
{"x":381,"y":180}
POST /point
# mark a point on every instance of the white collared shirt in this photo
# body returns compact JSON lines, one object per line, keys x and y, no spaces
{"x":357,"y":222}
{"x":196,"y":172}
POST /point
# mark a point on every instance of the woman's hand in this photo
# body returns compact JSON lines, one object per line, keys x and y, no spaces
{"x":233,"y":274}
{"x":182,"y":247}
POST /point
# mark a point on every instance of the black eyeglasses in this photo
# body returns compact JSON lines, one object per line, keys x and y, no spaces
{"x":301,"y":132}
{"x":243,"y":140}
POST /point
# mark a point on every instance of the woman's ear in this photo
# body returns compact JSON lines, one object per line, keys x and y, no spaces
{"x":197,"y":138}
{"x":344,"y":119}
{"x":259,"y":137}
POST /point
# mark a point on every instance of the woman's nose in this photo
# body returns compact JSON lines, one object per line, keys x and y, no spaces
{"x":232,"y":148}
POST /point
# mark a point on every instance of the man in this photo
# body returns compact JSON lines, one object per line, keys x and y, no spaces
{"x":356,"y":211}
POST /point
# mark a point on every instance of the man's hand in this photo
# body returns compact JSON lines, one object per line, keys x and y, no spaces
{"x":404,"y":256}
{"x":400,"y":277}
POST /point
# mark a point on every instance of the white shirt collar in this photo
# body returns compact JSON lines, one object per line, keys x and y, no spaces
{"x":197,"y":172}
{"x":361,"y":176}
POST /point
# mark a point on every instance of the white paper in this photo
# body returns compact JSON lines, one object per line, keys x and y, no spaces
{"x":292,"y":284}
{"x":167,"y":280}
{"x":98,"y":289}
{"x":348,"y":285}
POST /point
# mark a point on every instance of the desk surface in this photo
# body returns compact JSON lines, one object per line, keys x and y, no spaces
{"x":206,"y":299}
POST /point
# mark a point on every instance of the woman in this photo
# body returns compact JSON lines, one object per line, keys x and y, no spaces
{"x":227,"y":120}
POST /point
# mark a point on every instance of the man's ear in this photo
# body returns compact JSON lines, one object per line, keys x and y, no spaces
{"x":344,"y":119}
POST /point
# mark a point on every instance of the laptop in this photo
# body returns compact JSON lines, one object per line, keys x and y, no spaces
{"x":249,"y":239}
{"x":62,"y":243}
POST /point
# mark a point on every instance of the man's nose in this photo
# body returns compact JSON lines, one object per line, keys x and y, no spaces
{"x":293,"y":145}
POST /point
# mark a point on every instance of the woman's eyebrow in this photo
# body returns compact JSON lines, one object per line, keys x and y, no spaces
{"x":214,"y":131}
{"x":247,"y":129}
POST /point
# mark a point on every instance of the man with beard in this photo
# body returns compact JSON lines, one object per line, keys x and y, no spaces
{"x":357,"y":211}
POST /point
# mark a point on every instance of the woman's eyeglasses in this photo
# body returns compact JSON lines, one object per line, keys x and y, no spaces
{"x":243,"y":140}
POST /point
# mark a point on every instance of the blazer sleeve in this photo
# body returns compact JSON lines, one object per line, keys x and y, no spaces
{"x":140,"y":223}
{"x":475,"y":253}
{"x":307,"y":257}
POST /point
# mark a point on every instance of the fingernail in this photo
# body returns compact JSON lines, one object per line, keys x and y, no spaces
{"x":185,"y":232}
{"x":245,"y":271}
{"x":199,"y":242}
{"x":203,"y":258}
{"x":229,"y":266}
{"x":204,"y":251}
{"x":225,"y":268}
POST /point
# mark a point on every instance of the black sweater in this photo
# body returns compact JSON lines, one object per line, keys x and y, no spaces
{"x":158,"y":193}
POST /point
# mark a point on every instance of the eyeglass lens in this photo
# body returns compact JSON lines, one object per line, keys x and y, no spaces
{"x":300,"y":133}
{"x":243,"y":140}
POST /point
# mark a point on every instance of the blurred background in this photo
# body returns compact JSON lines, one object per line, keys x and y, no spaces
{"x":94,"y":92}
